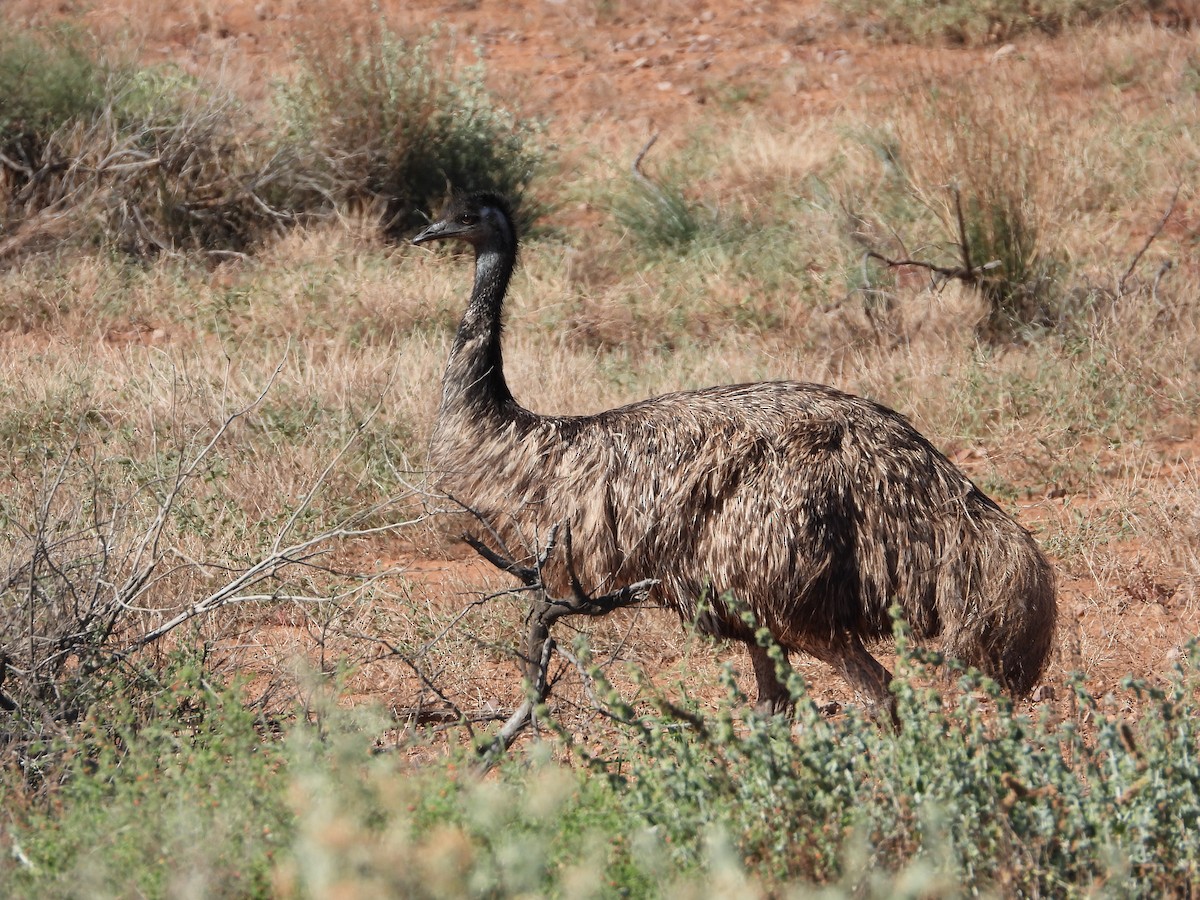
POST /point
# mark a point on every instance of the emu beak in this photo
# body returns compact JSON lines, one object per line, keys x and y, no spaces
{"x":431,"y":232}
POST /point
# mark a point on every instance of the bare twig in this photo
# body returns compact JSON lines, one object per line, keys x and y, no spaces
{"x":948,"y":272}
{"x":544,"y":611}
{"x":1162,"y":223}
{"x":637,"y":162}
{"x":491,"y":753}
{"x":526,"y":575}
{"x":585,"y":676}
{"x":968,"y":272}
{"x":429,"y":683}
{"x":434,"y":715}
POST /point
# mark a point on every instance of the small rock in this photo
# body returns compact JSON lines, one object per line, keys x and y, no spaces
{"x":1004,"y":52}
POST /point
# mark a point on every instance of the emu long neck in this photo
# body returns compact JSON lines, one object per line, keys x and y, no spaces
{"x":474,"y":380}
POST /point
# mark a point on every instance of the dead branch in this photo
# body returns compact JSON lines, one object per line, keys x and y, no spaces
{"x":430,"y":683}
{"x":604,"y":709}
{"x":962,"y":273}
{"x":88,"y":571}
{"x":1162,"y":223}
{"x":544,"y":611}
{"x":967,"y":272}
{"x":637,"y":162}
{"x":490,"y":753}
{"x":433,"y":715}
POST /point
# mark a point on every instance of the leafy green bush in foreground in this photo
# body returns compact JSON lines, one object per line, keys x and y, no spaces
{"x":969,"y":797}
{"x":182,"y":797}
{"x":977,"y":795}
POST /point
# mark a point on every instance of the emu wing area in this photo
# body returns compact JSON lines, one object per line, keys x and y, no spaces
{"x":814,"y":508}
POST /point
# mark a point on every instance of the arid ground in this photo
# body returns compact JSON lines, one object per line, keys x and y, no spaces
{"x":769,"y":96}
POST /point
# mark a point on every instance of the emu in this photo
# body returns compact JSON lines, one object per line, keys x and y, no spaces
{"x":814,"y":509}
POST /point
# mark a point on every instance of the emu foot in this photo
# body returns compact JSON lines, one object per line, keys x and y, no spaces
{"x":773,"y":696}
{"x":774,"y":705}
{"x":864,"y":673}
{"x":883,"y":713}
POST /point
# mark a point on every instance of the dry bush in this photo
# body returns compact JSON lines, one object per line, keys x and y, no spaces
{"x":149,"y":161}
{"x":144,"y":160}
{"x":984,"y":163}
{"x":395,"y":124}
{"x":147,"y":508}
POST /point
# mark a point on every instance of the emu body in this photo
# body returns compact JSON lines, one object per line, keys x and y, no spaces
{"x":815,"y":509}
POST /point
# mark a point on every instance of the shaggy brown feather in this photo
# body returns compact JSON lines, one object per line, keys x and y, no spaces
{"x":816,"y":509}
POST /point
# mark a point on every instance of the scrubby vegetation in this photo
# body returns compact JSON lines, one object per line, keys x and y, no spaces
{"x":185,"y":796}
{"x":241,"y":661}
{"x":147,"y":160}
{"x":392,"y":123}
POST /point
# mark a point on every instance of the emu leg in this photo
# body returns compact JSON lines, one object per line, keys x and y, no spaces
{"x":773,"y":696}
{"x":861,"y":670}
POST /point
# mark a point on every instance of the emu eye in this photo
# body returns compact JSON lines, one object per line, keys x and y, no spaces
{"x":469,"y":219}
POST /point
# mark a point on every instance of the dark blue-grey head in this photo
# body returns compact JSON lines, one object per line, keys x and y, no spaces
{"x":484,"y":220}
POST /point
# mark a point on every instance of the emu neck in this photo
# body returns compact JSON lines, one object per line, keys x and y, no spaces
{"x":474,"y":380}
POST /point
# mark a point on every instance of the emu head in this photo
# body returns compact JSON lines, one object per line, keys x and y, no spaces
{"x":483,"y":220}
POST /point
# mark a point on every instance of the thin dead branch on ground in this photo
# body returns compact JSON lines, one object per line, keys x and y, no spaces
{"x":1150,"y":238}
{"x":638,"y":173}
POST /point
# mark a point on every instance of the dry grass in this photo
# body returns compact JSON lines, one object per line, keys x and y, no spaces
{"x":1086,"y":431}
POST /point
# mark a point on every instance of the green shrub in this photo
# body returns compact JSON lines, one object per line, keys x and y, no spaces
{"x":659,"y":216}
{"x":970,"y":795}
{"x":45,"y":83}
{"x":977,"y":165}
{"x":662,"y":218}
{"x":378,"y":826}
{"x":1021,"y":288}
{"x":384,"y":121}
{"x":178,"y":797}
{"x":147,"y":161}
